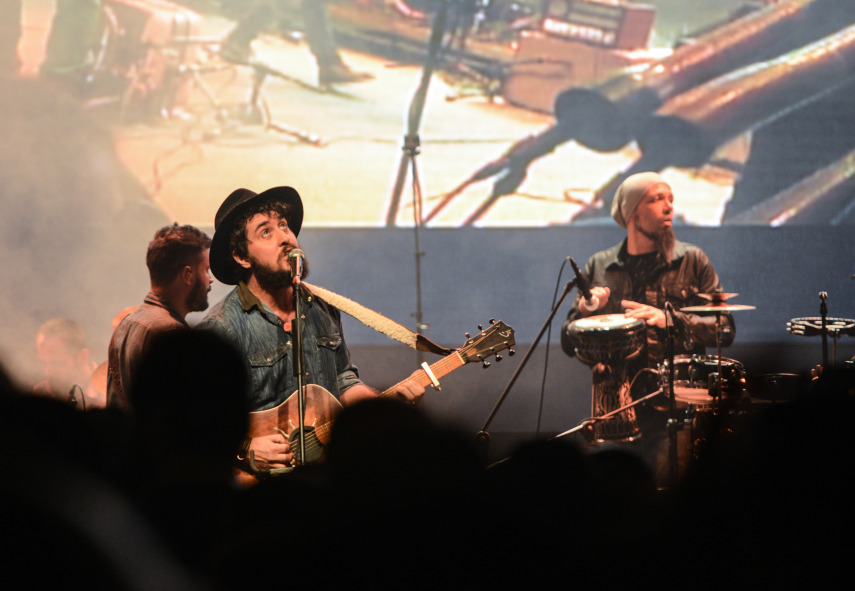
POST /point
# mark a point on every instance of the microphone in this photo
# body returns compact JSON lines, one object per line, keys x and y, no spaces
{"x":71,"y":398}
{"x":297,"y":260}
{"x":669,"y":309}
{"x":591,"y":302}
{"x":678,"y":323}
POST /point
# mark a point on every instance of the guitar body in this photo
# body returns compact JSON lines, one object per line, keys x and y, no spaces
{"x":322,"y":408}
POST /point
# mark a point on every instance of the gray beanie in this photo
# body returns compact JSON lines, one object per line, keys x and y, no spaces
{"x":630,"y":194}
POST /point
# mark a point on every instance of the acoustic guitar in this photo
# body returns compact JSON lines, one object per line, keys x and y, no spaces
{"x":321,"y":407}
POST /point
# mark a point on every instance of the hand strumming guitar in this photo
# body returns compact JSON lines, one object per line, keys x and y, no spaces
{"x":271,"y":451}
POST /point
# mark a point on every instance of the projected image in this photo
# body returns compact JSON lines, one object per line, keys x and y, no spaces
{"x":467,"y":112}
{"x":123,"y":116}
{"x":339,"y":273}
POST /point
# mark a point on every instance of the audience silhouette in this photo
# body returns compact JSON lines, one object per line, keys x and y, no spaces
{"x":400,"y":500}
{"x":189,"y":413}
{"x":69,"y":517}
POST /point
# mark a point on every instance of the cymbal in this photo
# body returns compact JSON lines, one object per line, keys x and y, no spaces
{"x":718,"y":303}
{"x":714,"y":307}
{"x":717,"y":296}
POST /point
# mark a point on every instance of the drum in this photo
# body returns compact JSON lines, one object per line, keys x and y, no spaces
{"x":774,"y":388}
{"x":614,"y":346}
{"x":607,"y":338}
{"x":696,"y":376}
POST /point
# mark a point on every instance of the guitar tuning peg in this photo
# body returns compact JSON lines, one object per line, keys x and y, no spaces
{"x":492,"y":321}
{"x":511,"y":352}
{"x":498,"y":357}
{"x":485,"y":364}
{"x":468,"y":336}
{"x":480,"y":327}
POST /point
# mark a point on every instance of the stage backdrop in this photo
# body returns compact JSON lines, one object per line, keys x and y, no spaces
{"x":504,"y":149}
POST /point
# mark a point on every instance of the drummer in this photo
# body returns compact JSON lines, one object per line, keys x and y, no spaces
{"x":649,"y":268}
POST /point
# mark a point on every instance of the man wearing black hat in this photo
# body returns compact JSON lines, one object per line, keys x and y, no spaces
{"x":254,"y":234}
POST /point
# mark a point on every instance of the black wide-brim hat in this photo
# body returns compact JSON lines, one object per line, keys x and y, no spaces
{"x":223,"y":265}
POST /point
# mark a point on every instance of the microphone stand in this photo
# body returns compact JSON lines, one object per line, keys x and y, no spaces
{"x":71,"y":398}
{"x":673,"y":424}
{"x":593,"y":420}
{"x":297,"y":339}
{"x":823,"y":312}
{"x":609,"y":414}
{"x":483,"y":436}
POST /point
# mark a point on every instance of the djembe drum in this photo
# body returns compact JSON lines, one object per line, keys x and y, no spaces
{"x":613,"y":345}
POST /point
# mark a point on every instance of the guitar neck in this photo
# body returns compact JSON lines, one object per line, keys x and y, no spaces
{"x":441,"y":368}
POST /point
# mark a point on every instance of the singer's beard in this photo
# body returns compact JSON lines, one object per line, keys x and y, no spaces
{"x":272,"y":278}
{"x":664,"y":240}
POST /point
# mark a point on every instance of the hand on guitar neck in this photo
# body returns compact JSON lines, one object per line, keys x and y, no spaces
{"x":410,"y":390}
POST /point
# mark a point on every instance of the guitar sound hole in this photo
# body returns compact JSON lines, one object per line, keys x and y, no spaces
{"x":314,"y":448}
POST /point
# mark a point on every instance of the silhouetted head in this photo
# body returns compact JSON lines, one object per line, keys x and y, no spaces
{"x":189,"y":396}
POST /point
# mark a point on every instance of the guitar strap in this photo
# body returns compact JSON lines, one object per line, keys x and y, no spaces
{"x":378,"y":322}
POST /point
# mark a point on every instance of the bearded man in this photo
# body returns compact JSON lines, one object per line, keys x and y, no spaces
{"x":254,"y":233}
{"x":180,"y":277}
{"x":647,"y":272}
{"x":649,"y":268}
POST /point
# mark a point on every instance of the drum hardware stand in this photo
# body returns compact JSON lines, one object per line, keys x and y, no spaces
{"x":718,"y":304}
{"x":483,"y":436}
{"x":673,"y":424}
{"x":718,"y":389}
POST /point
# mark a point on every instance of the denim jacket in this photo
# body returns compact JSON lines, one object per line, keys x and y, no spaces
{"x":259,"y":335}
{"x":678,"y":281}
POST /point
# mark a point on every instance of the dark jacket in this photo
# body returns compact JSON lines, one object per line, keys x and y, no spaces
{"x":688,"y":273}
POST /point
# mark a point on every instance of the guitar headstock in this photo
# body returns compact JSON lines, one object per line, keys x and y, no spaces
{"x":490,"y":341}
